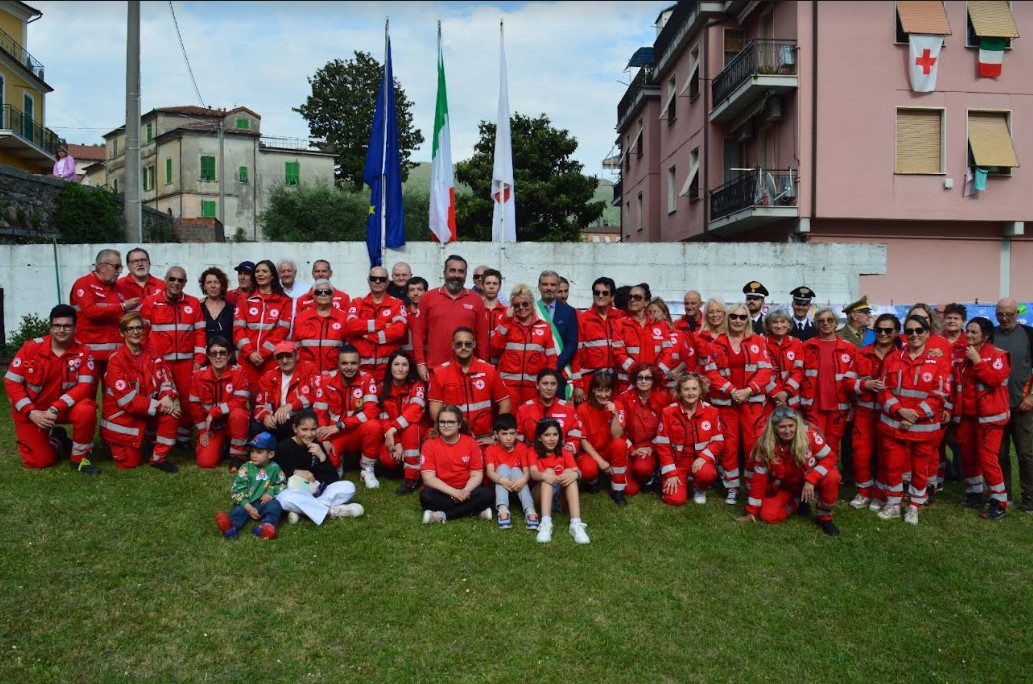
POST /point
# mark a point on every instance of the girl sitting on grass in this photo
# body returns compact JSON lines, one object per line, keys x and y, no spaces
{"x":555,"y":468}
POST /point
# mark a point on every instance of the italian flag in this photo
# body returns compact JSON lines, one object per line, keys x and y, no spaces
{"x":991,"y":56}
{"x":442,"y":187}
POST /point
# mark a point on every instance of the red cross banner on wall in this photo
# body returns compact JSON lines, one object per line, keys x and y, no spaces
{"x":923,"y":60}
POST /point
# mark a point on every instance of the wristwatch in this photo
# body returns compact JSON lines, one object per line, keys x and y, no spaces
{"x":53,"y":410}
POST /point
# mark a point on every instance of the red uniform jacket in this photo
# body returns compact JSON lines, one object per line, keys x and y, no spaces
{"x":299,"y":390}
{"x":523,"y":350}
{"x":261,"y":321}
{"x":130,"y":289}
{"x":758,"y":369}
{"x":981,"y":389}
{"x":494,"y":317}
{"x":37,"y":379}
{"x":595,"y":424}
{"x":687,"y":348}
{"x":843,"y":370}
{"x":212,"y":396}
{"x":787,"y":364}
{"x":867,"y":366}
{"x":641,"y":419}
{"x":681,"y":439}
{"x":443,"y":315}
{"x":319,"y":338}
{"x":533,"y":410}
{"x":922,"y":384}
{"x":347,"y":404}
{"x":133,"y":386}
{"x":376,"y":330}
{"x":100,"y":307}
{"x":475,"y":392}
{"x":782,"y":472}
{"x":338,"y":300}
{"x":649,"y":343}
{"x":175,"y":329}
{"x":405,"y":406}
{"x":600,"y":345}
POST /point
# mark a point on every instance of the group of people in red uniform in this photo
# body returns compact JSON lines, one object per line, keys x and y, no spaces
{"x":642,"y":401}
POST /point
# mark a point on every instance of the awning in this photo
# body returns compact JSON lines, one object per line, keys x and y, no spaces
{"x":990,"y":140}
{"x":750,"y":112}
{"x":642,"y":57}
{"x":923,"y":16}
{"x":992,"y":19}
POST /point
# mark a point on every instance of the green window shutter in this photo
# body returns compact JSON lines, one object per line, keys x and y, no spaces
{"x":207,"y":168}
{"x":168,"y":172}
{"x":242,"y":174}
{"x":150,"y":132}
{"x":293,"y":173}
{"x":208,"y":209}
{"x":243,"y":124}
{"x":114,"y":185}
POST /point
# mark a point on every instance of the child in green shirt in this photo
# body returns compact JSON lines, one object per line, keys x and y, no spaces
{"x":254,"y":491}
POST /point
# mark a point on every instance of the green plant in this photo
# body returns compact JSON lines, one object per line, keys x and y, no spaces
{"x":32,"y":326}
{"x":240,"y":235}
{"x":88,"y":215}
{"x":161,"y":232}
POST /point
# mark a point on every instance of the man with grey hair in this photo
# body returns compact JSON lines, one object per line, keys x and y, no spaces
{"x":563,"y":319}
{"x":400,"y":274}
{"x":288,"y":272}
{"x":100,"y":305}
{"x":1017,"y":340}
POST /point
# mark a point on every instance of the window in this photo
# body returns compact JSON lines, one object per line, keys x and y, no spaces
{"x":30,"y":107}
{"x":691,"y":186}
{"x":292,"y":175}
{"x":150,"y":132}
{"x":641,"y":211}
{"x":670,"y":107}
{"x":638,"y":140}
{"x":989,"y":142}
{"x":242,"y":174}
{"x":207,"y":168}
{"x":243,"y":124}
{"x":208,"y":209}
{"x":922,"y":16}
{"x":168,"y":172}
{"x":672,"y":194}
{"x":148,"y":178}
{"x":990,"y":19}
{"x":919,"y":141}
{"x":114,"y":147}
{"x":3,"y":88}
{"x":692,"y":82}
{"x":114,"y":185}
{"x":734,"y":42}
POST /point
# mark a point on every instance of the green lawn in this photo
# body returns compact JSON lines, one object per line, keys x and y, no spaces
{"x":124,"y":577}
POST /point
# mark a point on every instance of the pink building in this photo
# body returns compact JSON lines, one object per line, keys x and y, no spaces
{"x":776,"y":121}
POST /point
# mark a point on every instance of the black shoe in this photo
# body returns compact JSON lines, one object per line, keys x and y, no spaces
{"x":618,"y":498}
{"x":165,"y":467}
{"x":1026,"y":506}
{"x":973,"y":501}
{"x":235,"y":464}
{"x":828,"y":527}
{"x":592,"y":487}
{"x":84,"y":466}
{"x":804,"y":509}
{"x":651,"y":485}
{"x":995,"y":512}
{"x":405,"y":488}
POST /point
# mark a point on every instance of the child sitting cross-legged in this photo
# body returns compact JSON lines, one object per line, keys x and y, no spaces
{"x":507,"y":465}
{"x":557,"y":472}
{"x":254,"y":490}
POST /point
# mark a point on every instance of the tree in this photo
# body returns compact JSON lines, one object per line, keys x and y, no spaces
{"x":88,"y":216}
{"x":553,"y":196}
{"x":340,"y":111}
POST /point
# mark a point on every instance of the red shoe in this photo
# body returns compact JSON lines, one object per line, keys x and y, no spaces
{"x":266,"y":531}
{"x":223,"y":522}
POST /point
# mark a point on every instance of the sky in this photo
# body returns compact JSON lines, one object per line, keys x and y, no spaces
{"x":564,"y":59}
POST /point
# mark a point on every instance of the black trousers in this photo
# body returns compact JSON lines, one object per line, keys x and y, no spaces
{"x":433,"y":500}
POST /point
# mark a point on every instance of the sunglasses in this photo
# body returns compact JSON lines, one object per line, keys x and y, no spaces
{"x":478,"y":276}
{"x":463,"y":345}
{"x":914,"y":331}
{"x":754,"y":298}
{"x":601,"y":293}
{"x":378,"y":279}
{"x":522,"y":305}
{"x":643,"y":378}
{"x":738,"y":317}
{"x":218,"y":352}
{"x":782,"y":412}
{"x":181,"y":281}
{"x":322,"y":292}
{"x":885,"y":331}
{"x":636,"y":297}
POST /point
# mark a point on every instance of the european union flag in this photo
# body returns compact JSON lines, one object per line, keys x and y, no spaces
{"x":383,"y":173}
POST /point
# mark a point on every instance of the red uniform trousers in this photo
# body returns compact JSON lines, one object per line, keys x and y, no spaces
{"x":233,"y":428}
{"x":519,"y":392}
{"x":614,"y":452}
{"x":864,"y":439}
{"x":702,"y":481}
{"x":831,"y":424}
{"x":777,"y":506}
{"x":182,"y":372}
{"x":743,"y":425}
{"x":367,"y":438}
{"x":34,"y":444}
{"x":129,"y":455}
{"x":980,"y":443}
{"x":410,"y":438}
{"x":896,"y":456}
{"x":642,"y":469}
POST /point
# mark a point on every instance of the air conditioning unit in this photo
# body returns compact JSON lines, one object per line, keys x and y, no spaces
{"x":746,"y":131}
{"x":773,"y":110}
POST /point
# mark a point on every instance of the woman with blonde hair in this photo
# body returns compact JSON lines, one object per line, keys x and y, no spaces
{"x":715,"y":320}
{"x":689,"y":442}
{"x":524,"y":345}
{"x":792,"y":466}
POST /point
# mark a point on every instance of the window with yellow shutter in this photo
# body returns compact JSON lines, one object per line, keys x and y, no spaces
{"x":919,"y":141}
{"x":990,"y":145}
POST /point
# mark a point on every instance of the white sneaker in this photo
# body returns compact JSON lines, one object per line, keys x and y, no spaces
{"x":433,"y":517}
{"x":485,"y":514}
{"x":733,"y":497}
{"x":699,"y":496}
{"x":352,"y":510}
{"x":369,"y":479}
{"x":876,"y":505}
{"x":577,"y":531}
{"x":293,"y":518}
{"x":544,"y":533}
{"x":889,"y":512}
{"x":911,"y":515}
{"x":859,"y":501}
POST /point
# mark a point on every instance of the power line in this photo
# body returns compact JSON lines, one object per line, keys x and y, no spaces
{"x":185,"y":58}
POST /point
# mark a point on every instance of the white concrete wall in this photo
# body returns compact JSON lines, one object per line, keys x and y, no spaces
{"x":28,"y":273}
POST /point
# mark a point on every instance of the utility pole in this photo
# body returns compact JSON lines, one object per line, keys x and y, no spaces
{"x":221,"y":174}
{"x":132,"y":204}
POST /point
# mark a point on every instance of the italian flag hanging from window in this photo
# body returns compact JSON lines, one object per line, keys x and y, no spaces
{"x":991,"y":56}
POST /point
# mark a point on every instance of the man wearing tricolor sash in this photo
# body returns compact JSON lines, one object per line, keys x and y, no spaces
{"x":563,"y":319}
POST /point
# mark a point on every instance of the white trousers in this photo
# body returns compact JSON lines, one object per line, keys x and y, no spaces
{"x":316,"y":508}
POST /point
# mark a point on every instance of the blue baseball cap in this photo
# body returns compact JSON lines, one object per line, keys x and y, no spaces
{"x":263,"y":440}
{"x":245,"y":266}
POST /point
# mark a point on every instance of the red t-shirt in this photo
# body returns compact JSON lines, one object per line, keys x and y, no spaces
{"x":557,"y":463}
{"x":737,"y":366}
{"x":452,"y":463}
{"x":518,"y":458}
{"x":825,"y":396}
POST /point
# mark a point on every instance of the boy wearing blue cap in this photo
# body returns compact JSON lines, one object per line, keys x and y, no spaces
{"x":254,"y":491}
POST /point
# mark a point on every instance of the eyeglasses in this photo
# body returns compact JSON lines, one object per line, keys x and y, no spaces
{"x":737,"y":317}
{"x":448,"y":422}
{"x":636,"y":297}
{"x":885,"y":331}
{"x":600,"y":293}
{"x":178,"y":281}
{"x":139,"y":261}
{"x":322,"y":293}
{"x":133,"y":329}
{"x":521,"y":305}
{"x":910,"y":332}
{"x":62,"y":326}
{"x":1007,"y":314}
{"x":378,"y":279}
{"x":218,"y":352}
{"x":826,"y":320}
{"x":463,"y":344}
{"x":643,"y":378}
{"x":117,"y":267}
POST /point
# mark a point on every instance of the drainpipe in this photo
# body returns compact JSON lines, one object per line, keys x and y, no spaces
{"x":706,"y":122}
{"x":814,"y":110}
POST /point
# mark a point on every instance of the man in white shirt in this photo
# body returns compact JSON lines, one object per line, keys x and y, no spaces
{"x":288,"y":272}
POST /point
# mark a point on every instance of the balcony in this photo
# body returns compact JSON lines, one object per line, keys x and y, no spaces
{"x":20,"y":55}
{"x":618,"y":189}
{"x":644,"y":85}
{"x":22,"y":137}
{"x":756,"y":198}
{"x":764,"y":67}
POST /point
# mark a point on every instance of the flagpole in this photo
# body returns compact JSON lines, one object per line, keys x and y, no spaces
{"x":502,"y":189}
{"x":383,"y":150}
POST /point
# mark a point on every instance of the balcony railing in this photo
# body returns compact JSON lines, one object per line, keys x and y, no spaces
{"x":21,"y":55}
{"x":754,"y":188}
{"x":43,"y":138}
{"x":645,"y":78}
{"x":618,"y":189}
{"x":282,"y":143}
{"x":759,"y":57}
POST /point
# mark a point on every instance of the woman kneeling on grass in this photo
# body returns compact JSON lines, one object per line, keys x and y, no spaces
{"x":452,"y":469}
{"x":793,"y":466}
{"x":555,"y":468}
{"x":313,"y":486}
{"x":689,"y":442}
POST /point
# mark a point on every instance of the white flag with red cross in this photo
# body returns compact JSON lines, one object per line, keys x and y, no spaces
{"x":923,"y":60}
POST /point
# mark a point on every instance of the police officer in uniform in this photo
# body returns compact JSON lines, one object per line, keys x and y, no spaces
{"x":755,"y":294}
{"x":803,"y":326}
